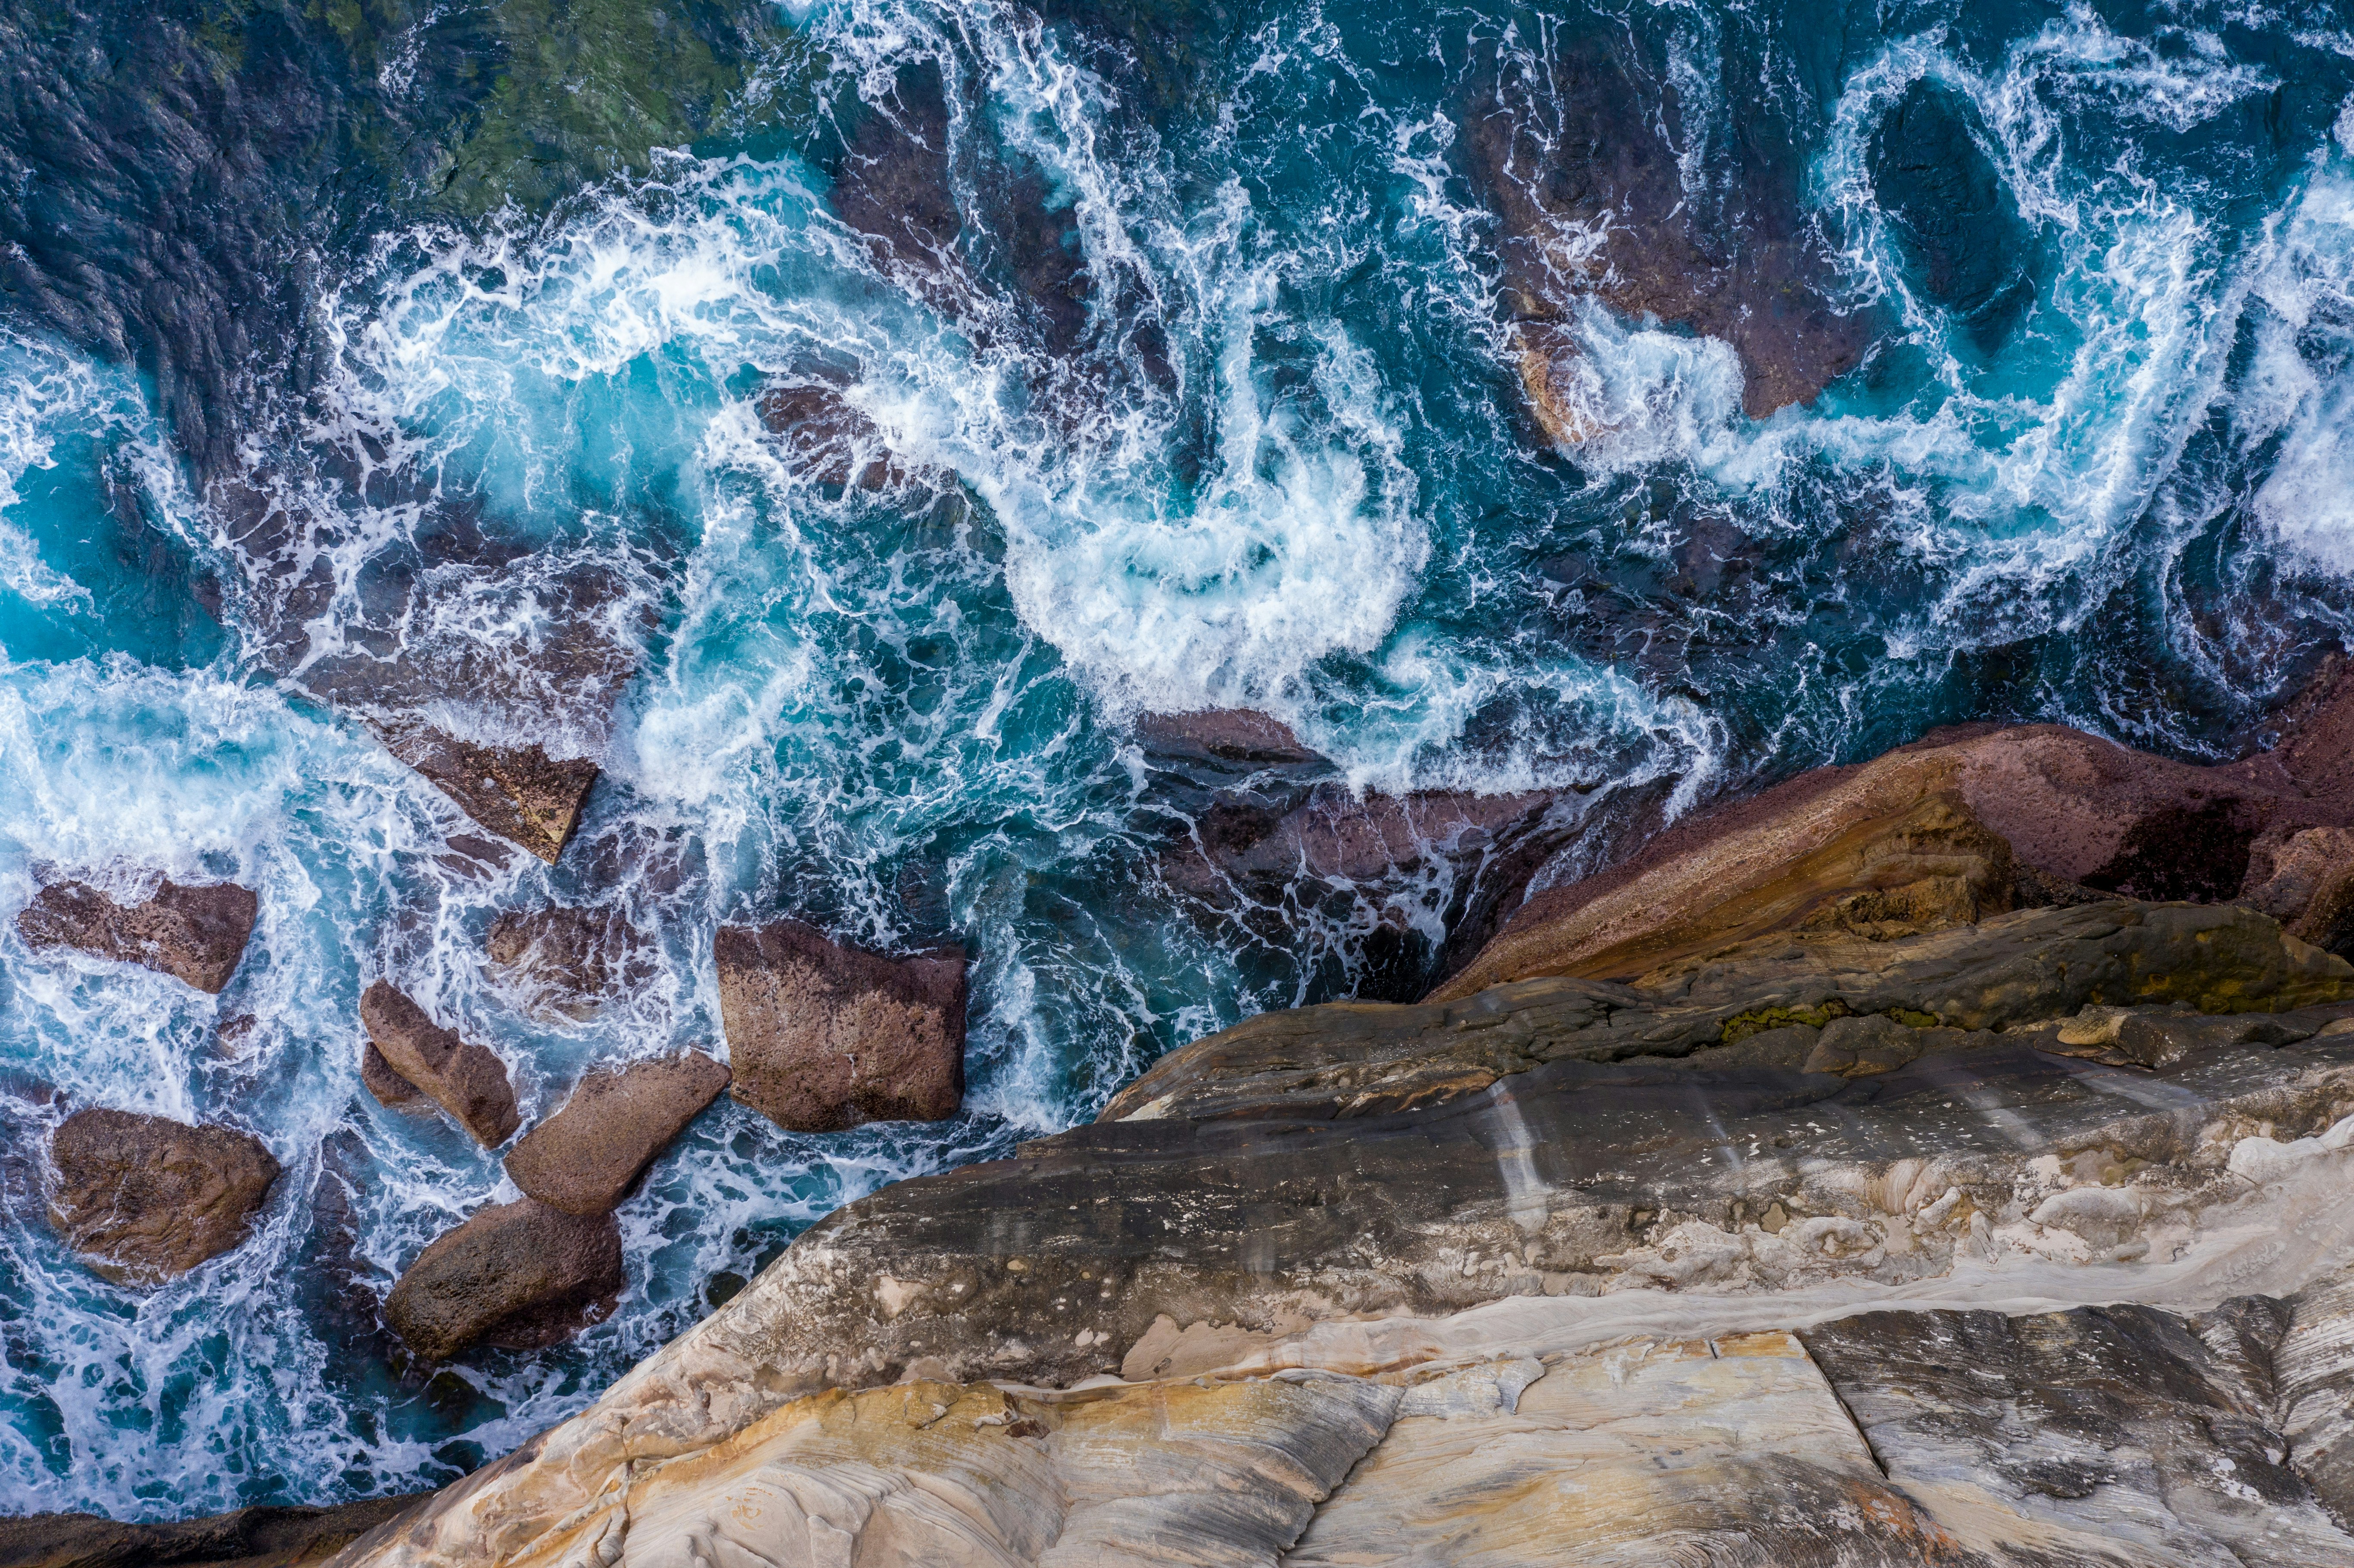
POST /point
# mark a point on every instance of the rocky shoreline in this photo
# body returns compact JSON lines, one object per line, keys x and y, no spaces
{"x":1893,"y":1167}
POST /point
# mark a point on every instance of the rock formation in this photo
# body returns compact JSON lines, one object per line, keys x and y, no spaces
{"x":518,"y":792}
{"x":585,"y":1159}
{"x":822,"y":1036}
{"x":568,"y":960}
{"x":145,"y":1199}
{"x":264,"y":1537}
{"x":466,"y":1080}
{"x":391,"y":1090}
{"x":195,"y":933}
{"x":517,"y":1276}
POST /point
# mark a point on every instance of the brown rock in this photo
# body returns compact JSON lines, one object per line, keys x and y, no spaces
{"x":390,"y":1090}
{"x":2307,"y":884}
{"x":146,"y":1199}
{"x":2076,"y":812}
{"x":518,"y":1276}
{"x":262,"y":1537}
{"x":195,"y":933}
{"x":822,"y":1037}
{"x":521,"y":793}
{"x":585,"y":1159}
{"x":827,"y":438}
{"x":567,"y":960}
{"x":466,"y":1080}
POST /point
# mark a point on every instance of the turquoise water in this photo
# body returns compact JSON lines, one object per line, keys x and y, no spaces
{"x":2095,"y":467}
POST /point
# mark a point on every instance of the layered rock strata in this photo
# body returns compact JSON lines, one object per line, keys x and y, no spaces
{"x":821,"y":1036}
{"x":518,"y":1276}
{"x":197,"y":934}
{"x":585,"y":1158}
{"x":1542,"y":1271}
{"x":465,"y":1079}
{"x":146,"y":1199}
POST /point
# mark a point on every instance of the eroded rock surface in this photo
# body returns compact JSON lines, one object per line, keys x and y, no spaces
{"x":146,"y":1199}
{"x":822,"y":1036}
{"x":465,"y":1079}
{"x":568,"y":960}
{"x":195,"y":933}
{"x":517,"y":1276}
{"x":519,"y":792}
{"x":585,"y":1159}
{"x":262,"y":1537}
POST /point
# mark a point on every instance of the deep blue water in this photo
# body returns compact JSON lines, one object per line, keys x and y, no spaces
{"x":2096,"y":465}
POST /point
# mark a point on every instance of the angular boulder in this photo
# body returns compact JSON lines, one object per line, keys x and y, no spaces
{"x":518,"y":792}
{"x":567,"y":960}
{"x":585,"y":1159}
{"x":822,"y":1036}
{"x":391,"y":1090}
{"x":466,"y":1080}
{"x":518,"y":1276}
{"x":195,"y":933}
{"x":146,"y":1199}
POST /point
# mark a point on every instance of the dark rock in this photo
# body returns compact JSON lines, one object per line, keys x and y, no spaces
{"x":822,"y":1036}
{"x":1552,"y":154}
{"x":518,"y":1276}
{"x":195,"y":933}
{"x":568,"y":960}
{"x":390,"y":1090}
{"x":466,"y":1080}
{"x":585,"y":1159}
{"x":249,"y":1537}
{"x":1951,"y":211}
{"x":518,"y":792}
{"x":827,"y":438}
{"x":146,"y":1199}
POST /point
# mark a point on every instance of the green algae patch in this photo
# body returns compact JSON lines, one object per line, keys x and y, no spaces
{"x":1759,"y":1020}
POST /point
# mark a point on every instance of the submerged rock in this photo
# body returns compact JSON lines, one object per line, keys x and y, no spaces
{"x":585,"y":1159}
{"x":195,"y":933}
{"x":566,"y":960}
{"x":466,"y":1080}
{"x":145,"y":1199}
{"x":822,"y":1036}
{"x":519,"y":792}
{"x":517,"y":1276}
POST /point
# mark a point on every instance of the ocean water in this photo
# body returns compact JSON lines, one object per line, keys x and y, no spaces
{"x":1217,"y":409}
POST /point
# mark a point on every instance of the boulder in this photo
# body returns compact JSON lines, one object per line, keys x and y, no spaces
{"x":567,"y":960}
{"x":2027,"y":814}
{"x":146,"y":1199}
{"x":585,"y":1159}
{"x":517,"y":1276}
{"x":391,"y":1090}
{"x":519,"y":792}
{"x":466,"y":1080}
{"x":2306,"y":882}
{"x":195,"y":933}
{"x":822,"y":1036}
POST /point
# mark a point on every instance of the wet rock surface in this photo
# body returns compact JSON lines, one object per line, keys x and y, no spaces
{"x":145,"y":1199}
{"x":465,"y":1079}
{"x":195,"y":933}
{"x":520,"y":793}
{"x":585,"y":1159}
{"x":517,"y":1276}
{"x":568,"y":960}
{"x":249,"y":1537}
{"x":821,"y":1036}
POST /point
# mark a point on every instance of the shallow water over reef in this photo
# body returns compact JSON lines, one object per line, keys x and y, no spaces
{"x":1133,"y":357}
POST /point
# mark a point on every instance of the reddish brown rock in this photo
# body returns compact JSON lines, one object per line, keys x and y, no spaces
{"x":520,"y":792}
{"x":822,"y":1036}
{"x":466,"y":1080}
{"x":585,"y":1159}
{"x":195,"y":933}
{"x":567,"y":960}
{"x":827,"y":438}
{"x":146,"y":1199}
{"x":518,"y":1276}
{"x":390,"y":1090}
{"x":2078,"y":815}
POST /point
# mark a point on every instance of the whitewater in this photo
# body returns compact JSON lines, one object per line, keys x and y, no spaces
{"x":1274,"y":456}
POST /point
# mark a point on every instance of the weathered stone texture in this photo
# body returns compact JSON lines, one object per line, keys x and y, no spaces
{"x":585,"y":1159}
{"x":466,"y":1080}
{"x":518,"y":1276}
{"x":146,"y":1199}
{"x":195,"y":933}
{"x":518,"y":792}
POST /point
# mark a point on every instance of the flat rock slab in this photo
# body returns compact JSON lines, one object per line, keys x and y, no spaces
{"x":145,"y":1199}
{"x":466,"y":1080}
{"x":518,"y":1276}
{"x":585,"y":1159}
{"x":822,"y":1037}
{"x":519,"y":792}
{"x":195,"y":933}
